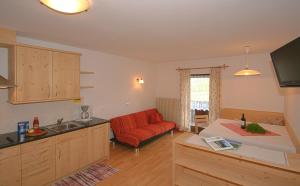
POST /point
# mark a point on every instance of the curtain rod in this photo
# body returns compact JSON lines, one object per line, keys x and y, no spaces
{"x":221,"y":66}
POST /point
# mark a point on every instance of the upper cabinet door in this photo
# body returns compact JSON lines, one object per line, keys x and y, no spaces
{"x":66,"y":76}
{"x":34,"y":74}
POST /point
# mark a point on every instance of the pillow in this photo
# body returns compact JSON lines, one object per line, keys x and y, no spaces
{"x":141,"y":119}
{"x":156,"y":118}
{"x":128,"y":123}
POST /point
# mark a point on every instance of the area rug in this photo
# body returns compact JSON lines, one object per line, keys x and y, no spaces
{"x":87,"y":177}
{"x":237,"y":129}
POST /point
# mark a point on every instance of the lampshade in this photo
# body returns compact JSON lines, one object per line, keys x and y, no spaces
{"x":141,"y":81}
{"x":67,"y":6}
{"x":247,"y":72}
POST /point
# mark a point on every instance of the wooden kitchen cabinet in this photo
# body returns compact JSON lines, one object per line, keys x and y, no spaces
{"x":43,"y":74}
{"x":71,"y":152}
{"x":10,"y":166}
{"x":38,"y":162}
{"x":98,"y":142}
{"x":66,"y":76}
{"x":34,"y":74}
{"x":42,"y":161}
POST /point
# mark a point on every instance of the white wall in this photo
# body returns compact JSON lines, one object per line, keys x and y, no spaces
{"x":256,"y":92}
{"x":115,"y":92}
{"x":292,"y":109}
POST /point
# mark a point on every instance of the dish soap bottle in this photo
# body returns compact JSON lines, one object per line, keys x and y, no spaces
{"x":36,"y":123}
{"x":243,"y":125}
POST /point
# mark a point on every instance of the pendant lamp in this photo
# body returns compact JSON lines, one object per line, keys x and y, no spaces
{"x":246,"y":71}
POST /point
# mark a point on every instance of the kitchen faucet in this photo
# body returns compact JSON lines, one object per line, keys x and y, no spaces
{"x":59,"y":121}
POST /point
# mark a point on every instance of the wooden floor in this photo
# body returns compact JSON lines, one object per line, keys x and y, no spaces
{"x":151,"y":167}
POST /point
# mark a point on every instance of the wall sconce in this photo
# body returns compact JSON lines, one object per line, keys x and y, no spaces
{"x":140,"y":80}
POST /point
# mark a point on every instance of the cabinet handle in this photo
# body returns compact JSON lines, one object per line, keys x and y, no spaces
{"x":59,"y":154}
{"x":49,"y":90}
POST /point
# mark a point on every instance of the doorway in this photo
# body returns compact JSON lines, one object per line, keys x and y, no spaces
{"x":199,"y":94}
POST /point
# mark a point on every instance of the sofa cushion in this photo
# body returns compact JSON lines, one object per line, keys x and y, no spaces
{"x":155,"y":129}
{"x":116,"y":125}
{"x":149,"y":113}
{"x":156,"y":117}
{"x":128,"y":123}
{"x":167,"y":125}
{"x":141,"y":134}
{"x":153,"y":116}
{"x":141,"y":119}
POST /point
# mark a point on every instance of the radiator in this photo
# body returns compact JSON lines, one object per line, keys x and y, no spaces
{"x":169,"y":108}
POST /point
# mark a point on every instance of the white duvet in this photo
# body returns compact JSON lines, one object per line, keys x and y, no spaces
{"x":280,"y":143}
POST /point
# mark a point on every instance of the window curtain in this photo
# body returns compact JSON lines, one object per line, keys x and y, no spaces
{"x":185,"y":94}
{"x":214,"y":94}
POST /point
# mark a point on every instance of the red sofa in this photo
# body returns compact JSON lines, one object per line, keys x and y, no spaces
{"x":136,"y":128}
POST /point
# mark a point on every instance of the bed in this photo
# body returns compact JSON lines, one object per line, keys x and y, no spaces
{"x":280,"y":143}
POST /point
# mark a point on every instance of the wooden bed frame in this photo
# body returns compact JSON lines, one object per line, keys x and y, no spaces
{"x":275,"y":118}
{"x":199,"y":165}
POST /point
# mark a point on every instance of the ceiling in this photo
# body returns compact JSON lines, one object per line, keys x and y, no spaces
{"x":161,"y":30}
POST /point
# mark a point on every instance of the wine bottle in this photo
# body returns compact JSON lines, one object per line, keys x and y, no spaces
{"x":243,"y":125}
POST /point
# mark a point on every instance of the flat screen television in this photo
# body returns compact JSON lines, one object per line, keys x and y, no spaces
{"x":286,"y":61}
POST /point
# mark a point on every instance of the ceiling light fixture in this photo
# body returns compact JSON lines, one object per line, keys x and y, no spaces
{"x":246,"y":71}
{"x":67,"y":6}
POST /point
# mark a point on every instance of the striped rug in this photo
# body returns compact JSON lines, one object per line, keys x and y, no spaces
{"x":87,"y":177}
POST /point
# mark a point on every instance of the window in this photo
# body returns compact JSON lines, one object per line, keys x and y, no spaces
{"x":199,"y":93}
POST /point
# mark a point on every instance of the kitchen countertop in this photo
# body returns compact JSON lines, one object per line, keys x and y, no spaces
{"x":12,"y":138}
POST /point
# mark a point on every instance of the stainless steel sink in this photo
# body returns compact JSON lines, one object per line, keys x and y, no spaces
{"x":64,"y":126}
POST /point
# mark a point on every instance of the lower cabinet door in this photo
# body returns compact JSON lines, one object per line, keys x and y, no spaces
{"x":38,"y":162}
{"x":71,"y":152}
{"x":98,"y":142}
{"x":10,"y":166}
{"x":62,"y":162}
